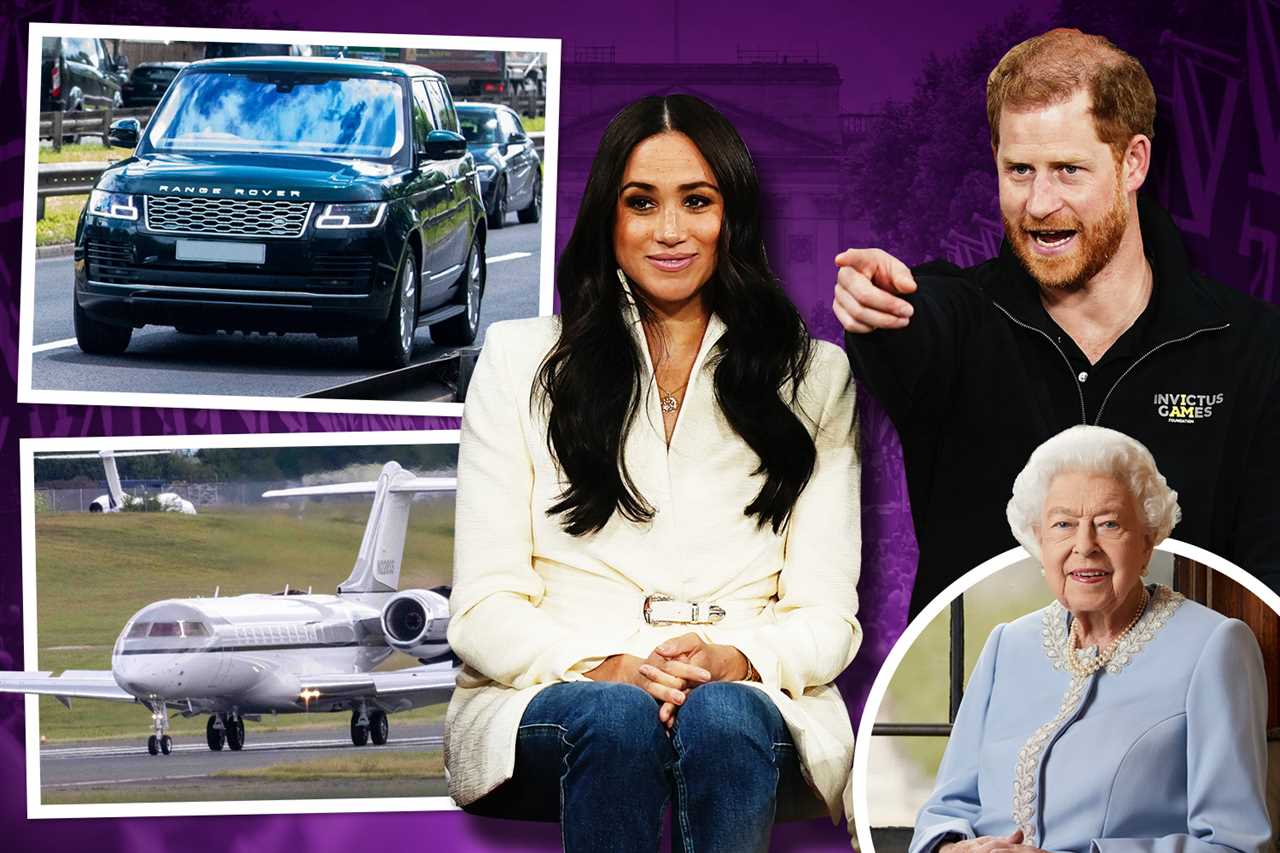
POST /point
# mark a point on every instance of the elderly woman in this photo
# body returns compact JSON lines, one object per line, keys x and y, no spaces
{"x":656,"y":548}
{"x":1122,"y":718}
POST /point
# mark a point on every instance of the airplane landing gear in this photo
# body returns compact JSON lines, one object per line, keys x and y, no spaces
{"x":215,"y":732}
{"x":379,"y":728}
{"x":369,"y":725}
{"x":235,"y":734}
{"x":159,"y":742}
{"x":359,"y":728}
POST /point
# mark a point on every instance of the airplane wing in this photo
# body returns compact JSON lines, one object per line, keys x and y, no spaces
{"x":414,"y":484}
{"x":397,"y":689}
{"x":74,"y":683}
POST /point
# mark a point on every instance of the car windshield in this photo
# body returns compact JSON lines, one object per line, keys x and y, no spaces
{"x":480,"y":127}
{"x":280,"y":113}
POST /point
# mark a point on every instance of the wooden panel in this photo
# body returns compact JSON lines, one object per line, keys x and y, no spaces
{"x":1229,"y":598}
{"x":1273,"y":781}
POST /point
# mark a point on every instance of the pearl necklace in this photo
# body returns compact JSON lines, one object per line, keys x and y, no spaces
{"x":1084,"y":669}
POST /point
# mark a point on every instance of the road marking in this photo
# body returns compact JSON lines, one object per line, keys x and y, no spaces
{"x":65,"y":342}
{"x":125,"y":781}
{"x":80,"y":752}
{"x":509,"y":256}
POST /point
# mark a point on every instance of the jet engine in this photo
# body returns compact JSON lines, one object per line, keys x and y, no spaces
{"x":415,"y":621}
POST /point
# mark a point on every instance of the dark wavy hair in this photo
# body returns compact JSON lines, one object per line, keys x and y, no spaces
{"x":590,"y":382}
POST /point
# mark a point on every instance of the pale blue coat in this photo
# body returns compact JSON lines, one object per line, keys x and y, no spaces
{"x":1164,"y":751}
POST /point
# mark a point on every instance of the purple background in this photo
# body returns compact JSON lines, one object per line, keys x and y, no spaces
{"x":808,"y":83}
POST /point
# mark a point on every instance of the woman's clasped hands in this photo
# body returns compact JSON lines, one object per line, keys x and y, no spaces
{"x":673,"y":669}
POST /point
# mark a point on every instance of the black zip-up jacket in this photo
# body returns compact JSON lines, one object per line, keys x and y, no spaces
{"x":982,"y":375}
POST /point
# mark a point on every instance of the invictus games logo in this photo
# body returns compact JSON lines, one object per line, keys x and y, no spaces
{"x":1186,"y":408}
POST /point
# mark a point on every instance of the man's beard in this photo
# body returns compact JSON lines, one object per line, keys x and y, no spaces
{"x":1095,"y":245}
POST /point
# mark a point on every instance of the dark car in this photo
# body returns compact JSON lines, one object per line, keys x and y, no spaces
{"x":509,"y":166}
{"x":288,"y":194}
{"x":79,"y":74}
{"x":149,"y":81}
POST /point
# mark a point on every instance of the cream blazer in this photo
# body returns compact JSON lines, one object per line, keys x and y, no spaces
{"x":532,"y":606}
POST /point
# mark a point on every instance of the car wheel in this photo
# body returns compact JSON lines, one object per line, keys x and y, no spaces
{"x":97,"y":338}
{"x":533,"y":212}
{"x":498,"y":216}
{"x":461,"y":330}
{"x":391,"y":344}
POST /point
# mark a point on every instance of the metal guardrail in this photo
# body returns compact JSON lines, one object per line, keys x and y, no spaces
{"x":57,"y":179}
{"x":56,"y":126}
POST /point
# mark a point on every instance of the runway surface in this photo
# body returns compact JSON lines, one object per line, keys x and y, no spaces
{"x":160,"y":360}
{"x":117,"y":762}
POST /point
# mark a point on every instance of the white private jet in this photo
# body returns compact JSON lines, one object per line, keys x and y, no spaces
{"x":238,"y":657}
{"x":115,"y":500}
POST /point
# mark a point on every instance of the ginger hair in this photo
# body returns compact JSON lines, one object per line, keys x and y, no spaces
{"x":1050,"y":68}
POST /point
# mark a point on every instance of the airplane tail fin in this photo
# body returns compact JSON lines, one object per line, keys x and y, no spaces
{"x":108,"y":457}
{"x":377,"y":566}
{"x":113,"y":479}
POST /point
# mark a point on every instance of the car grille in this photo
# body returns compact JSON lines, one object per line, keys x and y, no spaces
{"x":110,"y":262}
{"x":227,"y":217}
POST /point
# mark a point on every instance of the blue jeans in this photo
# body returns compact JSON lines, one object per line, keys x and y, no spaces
{"x":594,"y":756}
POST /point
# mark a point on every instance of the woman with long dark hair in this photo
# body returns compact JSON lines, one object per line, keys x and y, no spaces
{"x":656,"y":543}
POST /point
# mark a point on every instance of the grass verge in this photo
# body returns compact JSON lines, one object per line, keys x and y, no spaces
{"x":81,"y":152}
{"x":60,"y":216}
{"x":409,"y":765}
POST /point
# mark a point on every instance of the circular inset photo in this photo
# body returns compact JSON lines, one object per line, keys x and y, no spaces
{"x":1106,"y":696}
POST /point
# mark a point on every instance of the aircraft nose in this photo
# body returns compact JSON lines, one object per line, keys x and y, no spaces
{"x":152,"y":675}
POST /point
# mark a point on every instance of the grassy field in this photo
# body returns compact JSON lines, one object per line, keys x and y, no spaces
{"x":388,"y":765}
{"x":82,"y":151}
{"x":60,"y":216}
{"x":94,"y":571}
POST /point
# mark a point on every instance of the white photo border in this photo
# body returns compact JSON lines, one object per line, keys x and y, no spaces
{"x":26,"y":314}
{"x":27,"y":450}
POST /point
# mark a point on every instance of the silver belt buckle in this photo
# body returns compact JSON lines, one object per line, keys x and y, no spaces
{"x":662,"y":609}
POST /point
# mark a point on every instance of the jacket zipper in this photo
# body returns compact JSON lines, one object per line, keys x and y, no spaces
{"x":1140,"y":359}
{"x":1084,"y":419}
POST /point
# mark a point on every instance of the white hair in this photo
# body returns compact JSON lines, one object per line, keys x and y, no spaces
{"x":1091,"y":450}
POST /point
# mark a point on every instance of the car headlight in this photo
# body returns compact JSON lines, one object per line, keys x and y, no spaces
{"x":486,"y":171}
{"x":367,"y":214}
{"x":113,"y":205}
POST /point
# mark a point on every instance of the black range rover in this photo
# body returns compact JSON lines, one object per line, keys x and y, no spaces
{"x":288,"y":194}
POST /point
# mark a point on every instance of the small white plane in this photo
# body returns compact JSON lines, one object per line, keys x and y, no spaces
{"x":238,"y":657}
{"x":116,"y":499}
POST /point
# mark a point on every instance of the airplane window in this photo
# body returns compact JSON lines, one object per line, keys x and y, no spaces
{"x":165,"y":629}
{"x":139,"y":629}
{"x":195,"y":629}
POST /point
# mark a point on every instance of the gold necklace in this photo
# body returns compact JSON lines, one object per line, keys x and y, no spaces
{"x":1103,"y":657}
{"x":670,"y":402}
